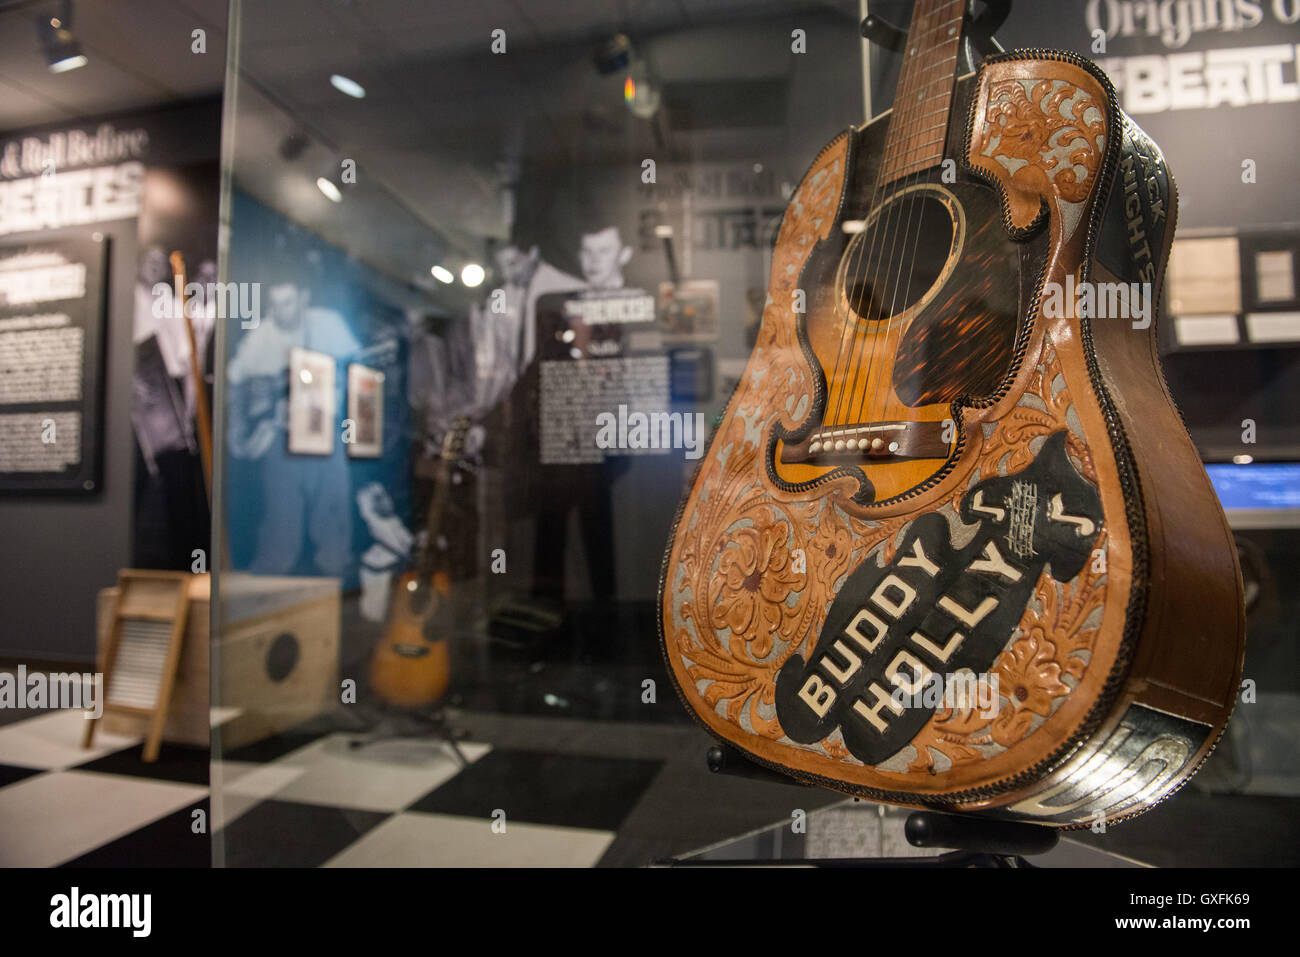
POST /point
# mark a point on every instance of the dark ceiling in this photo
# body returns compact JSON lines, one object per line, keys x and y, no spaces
{"x":138,"y":51}
{"x":446,"y":130}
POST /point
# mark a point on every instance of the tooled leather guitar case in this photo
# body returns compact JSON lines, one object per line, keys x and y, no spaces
{"x":1070,"y":545}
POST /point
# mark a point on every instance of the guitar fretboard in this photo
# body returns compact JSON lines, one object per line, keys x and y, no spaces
{"x":919,"y":124}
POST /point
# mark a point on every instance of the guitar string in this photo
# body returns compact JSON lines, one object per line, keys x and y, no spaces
{"x":862,"y":251}
{"x":885,"y":379}
{"x":900,"y":163}
{"x":865,"y":251}
{"x":880,"y":397}
{"x":894,"y":211}
{"x":870,"y":399}
{"x":883,"y":226}
{"x":859,"y":323}
{"x":901,"y":215}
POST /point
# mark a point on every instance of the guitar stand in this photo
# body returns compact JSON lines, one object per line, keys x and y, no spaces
{"x":978,"y":34}
{"x":395,"y":723}
{"x":976,"y":842}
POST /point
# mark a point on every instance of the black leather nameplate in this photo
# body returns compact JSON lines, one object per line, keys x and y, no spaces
{"x":936,"y":608}
{"x":1137,"y":215}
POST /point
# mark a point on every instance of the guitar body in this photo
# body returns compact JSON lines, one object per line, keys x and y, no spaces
{"x":411,"y":667}
{"x":955,"y":476}
{"x":954,"y":338}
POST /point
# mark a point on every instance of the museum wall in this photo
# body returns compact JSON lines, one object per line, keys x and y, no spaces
{"x":59,"y":548}
{"x":311,"y":511}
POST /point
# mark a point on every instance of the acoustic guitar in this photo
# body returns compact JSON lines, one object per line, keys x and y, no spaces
{"x":411,"y":665}
{"x":951,"y":545}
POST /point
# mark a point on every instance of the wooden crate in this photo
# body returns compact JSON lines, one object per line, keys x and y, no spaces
{"x":276,"y":659}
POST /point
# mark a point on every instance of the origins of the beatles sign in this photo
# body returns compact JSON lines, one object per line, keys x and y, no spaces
{"x":71,"y":177}
{"x":1214,"y":82}
{"x":1187,"y":78}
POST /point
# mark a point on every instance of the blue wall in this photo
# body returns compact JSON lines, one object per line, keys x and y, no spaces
{"x":285,"y":513}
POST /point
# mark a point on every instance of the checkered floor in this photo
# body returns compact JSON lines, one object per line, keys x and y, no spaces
{"x":557,"y":793}
{"x":409,"y":802}
{"x":301,"y":800}
{"x":544,"y":792}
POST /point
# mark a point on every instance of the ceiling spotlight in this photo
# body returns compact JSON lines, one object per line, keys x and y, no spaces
{"x":327,"y":187}
{"x":1242,"y":459}
{"x":640,"y":95}
{"x":472,"y":275}
{"x":350,"y":87}
{"x":442,"y":274}
{"x":62,"y":51}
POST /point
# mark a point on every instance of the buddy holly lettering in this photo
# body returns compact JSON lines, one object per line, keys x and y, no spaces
{"x":937,"y":607}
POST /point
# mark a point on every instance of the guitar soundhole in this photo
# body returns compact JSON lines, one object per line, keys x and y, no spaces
{"x":904,"y":253}
{"x":281,"y":657}
{"x":421,"y":601}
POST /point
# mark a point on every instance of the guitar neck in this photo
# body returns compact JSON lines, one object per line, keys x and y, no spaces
{"x":441,"y":492}
{"x":452,"y":445}
{"x":918,"y":127}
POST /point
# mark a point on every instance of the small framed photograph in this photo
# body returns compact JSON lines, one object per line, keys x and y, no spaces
{"x":311,"y":402}
{"x":365,"y":411}
{"x":688,"y":311}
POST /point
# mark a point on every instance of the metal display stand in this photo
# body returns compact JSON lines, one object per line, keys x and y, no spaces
{"x":974,"y":842}
{"x":390,"y":724}
{"x":977,"y":36}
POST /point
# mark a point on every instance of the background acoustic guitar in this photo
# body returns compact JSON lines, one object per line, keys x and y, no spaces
{"x":951,"y":545}
{"x":202,"y":414}
{"x":411,"y":664}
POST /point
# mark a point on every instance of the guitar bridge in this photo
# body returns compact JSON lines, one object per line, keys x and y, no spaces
{"x":881,"y":441}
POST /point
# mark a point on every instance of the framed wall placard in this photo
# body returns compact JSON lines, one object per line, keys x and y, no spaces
{"x":595,"y":359}
{"x":311,"y":402}
{"x":1275,"y":276}
{"x":1234,"y":292}
{"x":1205,"y":276}
{"x":365,"y":411}
{"x":1271,"y":272}
{"x":52,"y":314}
